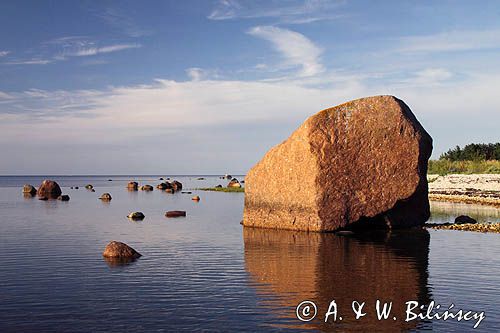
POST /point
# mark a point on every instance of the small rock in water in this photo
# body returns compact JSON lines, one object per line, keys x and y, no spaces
{"x":132,"y":186}
{"x":161,"y":178}
{"x":464,"y":219}
{"x":195,"y":198}
{"x":71,"y":187}
{"x":105,"y":197}
{"x":49,"y":189}
{"x":200,"y":178}
{"x":234,"y":183}
{"x":110,"y":180}
{"x":146,"y":188}
{"x":175,"y":213}
{"x":43,"y":198}
{"x":92,"y":190}
{"x":116,"y":249}
{"x":177,"y":186}
{"x":186,"y":192}
{"x":76,"y":187}
{"x":29,"y":189}
{"x":89,"y":186}
{"x":218,"y":186}
{"x":136,"y":216}
{"x":63,"y":197}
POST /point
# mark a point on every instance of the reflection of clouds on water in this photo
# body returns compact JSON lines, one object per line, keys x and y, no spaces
{"x":442,"y":212}
{"x":297,"y":266}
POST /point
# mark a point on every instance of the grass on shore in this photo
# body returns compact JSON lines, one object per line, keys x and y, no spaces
{"x":444,"y":167}
{"x":222,"y":189}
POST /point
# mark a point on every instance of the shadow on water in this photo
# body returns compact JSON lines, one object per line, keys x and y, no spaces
{"x":298,"y":266}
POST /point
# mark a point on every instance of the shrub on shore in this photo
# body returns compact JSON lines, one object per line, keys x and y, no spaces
{"x":445,"y":166}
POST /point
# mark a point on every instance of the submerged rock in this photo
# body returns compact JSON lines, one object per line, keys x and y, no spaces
{"x":360,"y":164}
{"x":63,"y":197}
{"x":175,"y":213}
{"x":106,"y":197}
{"x":136,"y":216}
{"x":29,"y":189}
{"x":49,"y":189}
{"x":116,"y":249}
{"x":43,"y":198}
{"x":464,"y":219}
{"x":195,"y":198}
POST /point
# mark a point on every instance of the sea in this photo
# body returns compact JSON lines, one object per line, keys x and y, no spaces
{"x":207,"y":273}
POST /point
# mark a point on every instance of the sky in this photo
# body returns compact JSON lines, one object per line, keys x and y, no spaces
{"x":207,"y":87}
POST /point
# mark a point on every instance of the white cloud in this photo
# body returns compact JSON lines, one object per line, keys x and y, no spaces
{"x":432,"y":75}
{"x":29,"y":62}
{"x":294,"y":11}
{"x":91,"y":51}
{"x":452,"y":41}
{"x":296,"y":49}
{"x":4,"y":95}
{"x":4,"y":53}
{"x":196,"y":74}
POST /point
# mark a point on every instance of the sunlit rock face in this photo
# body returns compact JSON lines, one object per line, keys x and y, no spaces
{"x":359,"y":164}
{"x":288,"y":267}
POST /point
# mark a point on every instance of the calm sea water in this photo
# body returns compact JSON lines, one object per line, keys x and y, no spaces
{"x":207,"y":273}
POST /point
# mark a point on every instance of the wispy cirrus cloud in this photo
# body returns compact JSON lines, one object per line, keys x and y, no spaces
{"x":292,"y":12}
{"x":91,"y":51}
{"x":452,"y":41}
{"x":296,"y":49}
{"x":123,"y":22}
{"x":60,"y":49}
{"x":29,"y":62}
{"x":4,"y":53}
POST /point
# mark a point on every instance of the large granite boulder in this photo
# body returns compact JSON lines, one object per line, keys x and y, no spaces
{"x":359,"y":164}
{"x":49,"y":189}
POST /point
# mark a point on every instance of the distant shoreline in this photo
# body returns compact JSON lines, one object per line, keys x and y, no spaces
{"x":481,"y":189}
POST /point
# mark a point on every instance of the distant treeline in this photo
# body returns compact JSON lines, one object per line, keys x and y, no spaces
{"x":473,"y":152}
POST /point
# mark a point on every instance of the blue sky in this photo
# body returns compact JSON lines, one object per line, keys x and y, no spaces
{"x":180,"y":87}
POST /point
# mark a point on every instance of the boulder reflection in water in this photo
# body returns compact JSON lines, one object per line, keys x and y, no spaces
{"x":289,"y":267}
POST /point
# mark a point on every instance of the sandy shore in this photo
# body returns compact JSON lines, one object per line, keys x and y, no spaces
{"x":477,"y":188}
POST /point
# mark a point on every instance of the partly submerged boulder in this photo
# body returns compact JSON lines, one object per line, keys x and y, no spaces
{"x":359,"y":164}
{"x":63,"y":197}
{"x":177,"y":186}
{"x":49,"y":189}
{"x":464,"y":219}
{"x":132,"y":186}
{"x":136,"y":216}
{"x":146,"y":188}
{"x":175,"y":213}
{"x":106,"y":197}
{"x":234,"y":183}
{"x":116,"y":249}
{"x":29,"y":189}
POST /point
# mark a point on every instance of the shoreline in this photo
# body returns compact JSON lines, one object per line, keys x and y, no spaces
{"x":483,"y":189}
